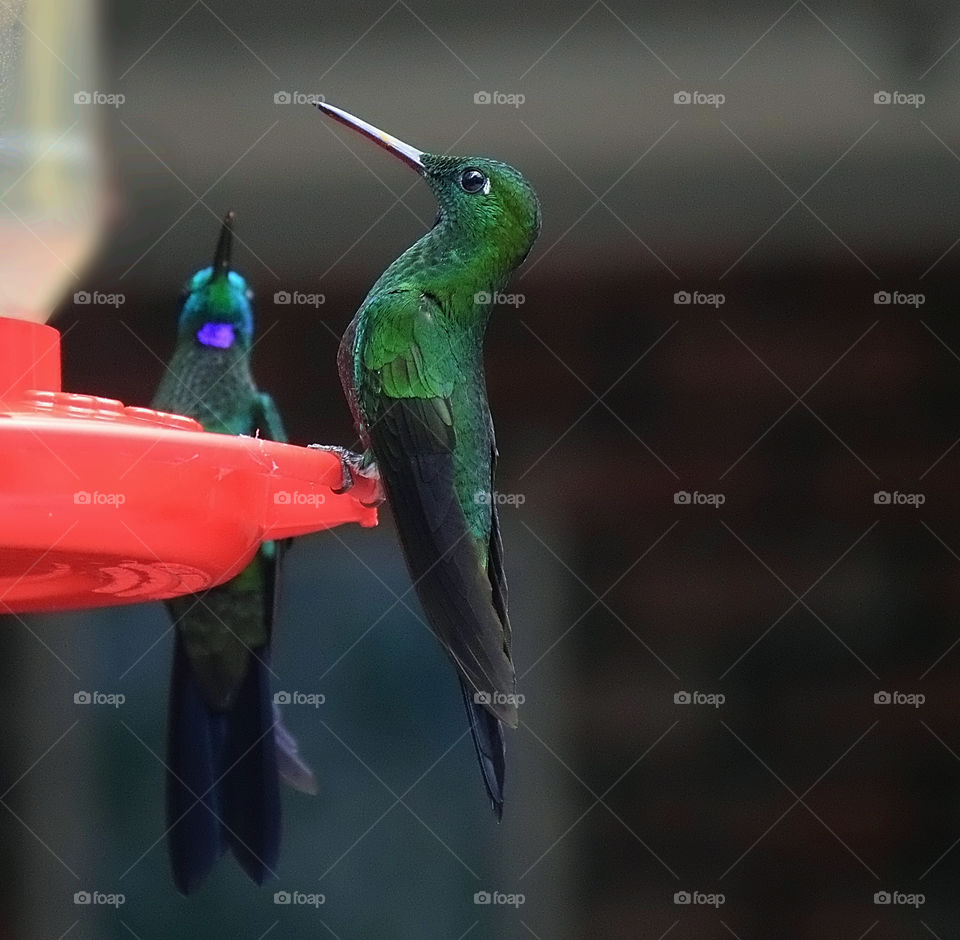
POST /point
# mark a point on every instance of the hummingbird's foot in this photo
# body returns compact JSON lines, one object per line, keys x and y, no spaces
{"x":372,"y":472}
{"x":355,"y":465}
{"x":348,"y":460}
{"x":366,"y":468}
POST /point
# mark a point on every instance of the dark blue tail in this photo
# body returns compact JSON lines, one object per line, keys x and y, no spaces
{"x":488,"y":739}
{"x":222,"y":786}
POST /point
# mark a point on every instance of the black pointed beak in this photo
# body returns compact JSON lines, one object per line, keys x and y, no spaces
{"x":221,"y":260}
{"x":410,"y":155}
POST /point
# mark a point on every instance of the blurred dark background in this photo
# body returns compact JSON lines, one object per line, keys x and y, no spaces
{"x":795,"y":396}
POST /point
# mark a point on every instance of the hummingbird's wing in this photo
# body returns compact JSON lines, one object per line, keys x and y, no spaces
{"x":495,"y":570}
{"x":407,"y":410}
{"x":485,"y":728}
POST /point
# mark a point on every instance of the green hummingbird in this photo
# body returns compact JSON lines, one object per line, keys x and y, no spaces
{"x":226,"y":744}
{"x":411,"y":364}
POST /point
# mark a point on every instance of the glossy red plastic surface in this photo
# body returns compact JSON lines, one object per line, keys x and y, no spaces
{"x":105,"y":504}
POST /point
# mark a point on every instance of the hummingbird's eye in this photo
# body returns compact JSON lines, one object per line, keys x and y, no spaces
{"x":474,"y":181}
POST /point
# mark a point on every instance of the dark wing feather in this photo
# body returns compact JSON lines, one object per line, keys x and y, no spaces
{"x":401,"y":401}
{"x":413,"y":441}
{"x":495,"y":569}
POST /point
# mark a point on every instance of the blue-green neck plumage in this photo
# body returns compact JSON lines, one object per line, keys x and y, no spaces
{"x":209,"y":377}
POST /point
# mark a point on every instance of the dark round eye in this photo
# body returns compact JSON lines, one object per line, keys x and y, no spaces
{"x":472,"y":180}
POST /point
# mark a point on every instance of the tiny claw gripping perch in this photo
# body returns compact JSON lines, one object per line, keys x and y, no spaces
{"x":355,"y":465}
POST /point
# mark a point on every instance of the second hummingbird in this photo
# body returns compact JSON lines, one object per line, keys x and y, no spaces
{"x":226,"y":743}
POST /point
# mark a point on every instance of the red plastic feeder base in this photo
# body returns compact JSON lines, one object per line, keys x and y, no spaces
{"x":104,"y":504}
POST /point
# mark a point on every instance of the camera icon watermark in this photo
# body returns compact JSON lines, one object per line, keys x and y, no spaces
{"x":896,"y":498}
{"x":513,"y":99}
{"x":912,"y":99}
{"x":707,"y":899}
{"x":699,"y":299}
{"x":114,"y":100}
{"x":297,"y":97}
{"x":488,"y":498}
{"x":99,"y":298}
{"x":314,"y":699}
{"x":483,"y":298}
{"x":900,"y":898}
{"x":898,"y":298}
{"x":712,"y":99}
{"x":113,"y":699}
{"x":696,"y":498}
{"x":912,"y":699}
{"x":96,"y":498}
{"x":298,"y":298}
{"x":296,"y":498}
{"x":99,"y":898}
{"x":713,"y":699}
{"x":299,"y":898}
{"x":499,"y":898}
{"x":499,"y":698}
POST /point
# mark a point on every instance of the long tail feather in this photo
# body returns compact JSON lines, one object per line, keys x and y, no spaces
{"x":488,"y":738}
{"x":222,"y":782}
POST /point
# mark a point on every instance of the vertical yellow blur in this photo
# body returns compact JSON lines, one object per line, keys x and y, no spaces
{"x":51,"y":176}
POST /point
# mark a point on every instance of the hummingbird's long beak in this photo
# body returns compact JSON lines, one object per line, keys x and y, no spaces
{"x":221,"y":260}
{"x":410,"y":155}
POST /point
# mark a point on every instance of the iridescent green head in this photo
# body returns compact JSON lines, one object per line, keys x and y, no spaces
{"x":217,"y":310}
{"x":486,"y":202}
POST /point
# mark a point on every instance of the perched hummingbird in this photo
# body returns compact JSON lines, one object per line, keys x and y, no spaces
{"x":411,"y":364}
{"x":226,"y":744}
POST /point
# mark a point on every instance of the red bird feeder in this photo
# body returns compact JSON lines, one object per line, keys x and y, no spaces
{"x":102,"y":503}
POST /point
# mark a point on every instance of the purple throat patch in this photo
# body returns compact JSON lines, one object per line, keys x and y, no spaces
{"x":219,"y":335}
